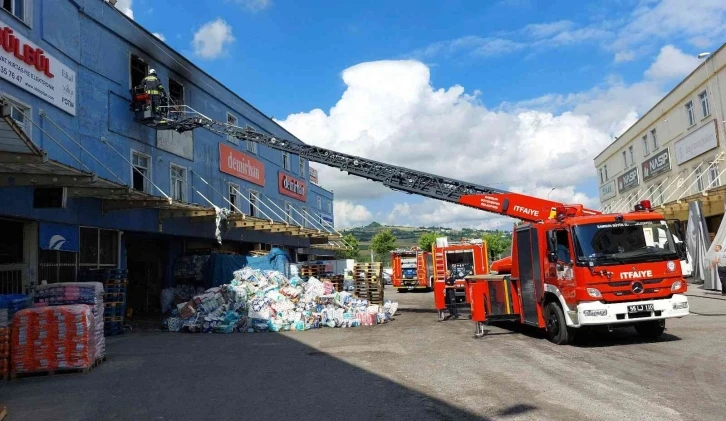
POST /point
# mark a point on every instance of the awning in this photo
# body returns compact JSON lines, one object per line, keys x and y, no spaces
{"x":712,"y":203}
{"x":23,"y":164}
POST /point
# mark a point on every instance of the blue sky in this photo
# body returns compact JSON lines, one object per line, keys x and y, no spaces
{"x":516,"y":94}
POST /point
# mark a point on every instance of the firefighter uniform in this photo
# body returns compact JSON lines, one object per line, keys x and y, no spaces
{"x":451,"y":295}
{"x":153,"y":87}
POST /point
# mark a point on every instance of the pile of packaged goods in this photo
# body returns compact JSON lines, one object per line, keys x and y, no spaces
{"x":51,"y":338}
{"x":260,"y":301}
{"x":4,"y":339}
{"x":70,"y":293}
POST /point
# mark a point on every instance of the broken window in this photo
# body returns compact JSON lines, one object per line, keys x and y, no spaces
{"x":139,"y":70}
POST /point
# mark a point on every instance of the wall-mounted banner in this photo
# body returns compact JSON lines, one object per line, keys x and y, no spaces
{"x":27,"y":66}
{"x":291,"y":186}
{"x":327,"y":218}
{"x":314,"y":176}
{"x":701,"y":141}
{"x":628,"y":180}
{"x":234,"y":162}
{"x":607,"y":190}
{"x":60,"y":237}
{"x":656,"y":165}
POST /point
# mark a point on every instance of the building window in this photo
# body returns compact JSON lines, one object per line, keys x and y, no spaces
{"x":176,"y":92}
{"x":302,"y":167}
{"x":714,"y":178}
{"x":99,"y":248}
{"x":232,"y":120}
{"x":140,"y":171}
{"x":254,"y":203}
{"x":690,"y":114}
{"x":178,"y":183}
{"x":139,"y":70}
{"x":320,"y":203}
{"x":21,"y":114}
{"x":625,"y":159}
{"x":703,"y":97}
{"x":699,"y":179}
{"x":57,"y":266}
{"x":645,"y":145}
{"x":251,"y":146}
{"x":234,"y":197}
{"x":605,"y":167}
{"x":602,"y":180}
{"x":632,"y":158}
{"x":655,"y":139}
{"x":286,"y":161}
{"x":303,"y":216}
{"x":18,"y":8}
{"x":659,"y":197}
{"x":288,"y":213}
{"x":330,"y":206}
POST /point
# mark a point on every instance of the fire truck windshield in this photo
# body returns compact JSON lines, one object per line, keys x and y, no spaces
{"x":624,"y":242}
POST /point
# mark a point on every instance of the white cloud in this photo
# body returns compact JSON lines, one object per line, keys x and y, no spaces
{"x":672,"y":63}
{"x":125,"y":7}
{"x":541,"y":30}
{"x":623,"y":56}
{"x":390,"y":113}
{"x":160,"y":36}
{"x":349,"y":215}
{"x":211,"y":40}
{"x":254,"y":5}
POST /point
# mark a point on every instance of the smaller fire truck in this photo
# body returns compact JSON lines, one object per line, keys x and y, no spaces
{"x":412,"y":269}
{"x":464,"y":258}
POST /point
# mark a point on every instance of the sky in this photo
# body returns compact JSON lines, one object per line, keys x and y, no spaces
{"x":519,"y":95}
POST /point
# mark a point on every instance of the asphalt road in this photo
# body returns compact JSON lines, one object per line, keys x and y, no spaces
{"x":413,"y":368}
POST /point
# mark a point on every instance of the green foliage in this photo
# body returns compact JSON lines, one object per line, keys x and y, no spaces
{"x":497,"y":243}
{"x":354,"y":251}
{"x":382,"y":244}
{"x":426,"y":240}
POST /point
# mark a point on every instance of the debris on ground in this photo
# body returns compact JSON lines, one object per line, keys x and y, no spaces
{"x":265,"y":300}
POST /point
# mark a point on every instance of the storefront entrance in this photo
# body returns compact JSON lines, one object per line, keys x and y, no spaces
{"x":18,"y":256}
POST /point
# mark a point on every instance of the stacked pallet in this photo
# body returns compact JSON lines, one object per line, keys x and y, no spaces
{"x":368,"y":279}
{"x":308,"y":270}
{"x":336,"y":280}
{"x":115,"y":282}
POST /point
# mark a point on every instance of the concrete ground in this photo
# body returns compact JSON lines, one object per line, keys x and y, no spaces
{"x":413,"y":368}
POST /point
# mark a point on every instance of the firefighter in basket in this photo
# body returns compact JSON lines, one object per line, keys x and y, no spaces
{"x":154,"y":88}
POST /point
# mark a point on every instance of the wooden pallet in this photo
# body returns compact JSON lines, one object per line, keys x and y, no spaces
{"x":58,"y":371}
{"x":3,"y":412}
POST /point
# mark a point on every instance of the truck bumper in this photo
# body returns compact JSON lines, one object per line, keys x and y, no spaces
{"x":597,"y":313}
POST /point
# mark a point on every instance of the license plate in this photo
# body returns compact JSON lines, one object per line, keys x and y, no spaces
{"x":640,"y":308}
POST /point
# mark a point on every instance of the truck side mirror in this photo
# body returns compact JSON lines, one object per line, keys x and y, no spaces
{"x":682,"y":250}
{"x":552,"y":256}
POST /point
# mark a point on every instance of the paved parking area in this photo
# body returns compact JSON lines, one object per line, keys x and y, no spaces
{"x":411,"y":369}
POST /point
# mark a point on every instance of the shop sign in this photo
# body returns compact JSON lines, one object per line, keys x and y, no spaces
{"x":27,"y":66}
{"x":701,"y":141}
{"x":326,"y":217}
{"x":291,"y":186}
{"x":235,"y":163}
{"x":59,"y":237}
{"x":607,"y":190}
{"x":656,"y":165}
{"x":628,"y":180}
{"x":314,"y":176}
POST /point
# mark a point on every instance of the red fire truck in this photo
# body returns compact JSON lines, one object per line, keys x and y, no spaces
{"x":412,"y":269}
{"x":463,"y":258}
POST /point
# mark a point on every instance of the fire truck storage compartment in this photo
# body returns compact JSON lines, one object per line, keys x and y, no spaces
{"x":530,"y":273}
{"x":461,"y":264}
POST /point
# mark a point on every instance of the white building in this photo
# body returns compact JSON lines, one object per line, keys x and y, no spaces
{"x":675,"y":153}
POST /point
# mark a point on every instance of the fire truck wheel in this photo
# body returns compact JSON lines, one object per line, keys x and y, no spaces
{"x":557,"y":331}
{"x":651,"y":329}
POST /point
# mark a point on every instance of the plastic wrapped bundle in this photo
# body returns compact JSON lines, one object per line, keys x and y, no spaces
{"x":70,"y":293}
{"x":53,"y":337}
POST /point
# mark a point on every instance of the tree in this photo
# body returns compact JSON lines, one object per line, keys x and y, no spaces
{"x":426,"y":240}
{"x":354,"y":250}
{"x":382,"y":244}
{"x":496,"y":244}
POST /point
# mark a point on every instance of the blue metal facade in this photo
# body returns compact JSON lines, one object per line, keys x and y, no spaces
{"x":97,"y":43}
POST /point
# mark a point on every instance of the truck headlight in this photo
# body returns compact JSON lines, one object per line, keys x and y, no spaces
{"x":597,"y":313}
{"x":676,"y":286}
{"x":680,"y":306}
{"x":594,"y":292}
